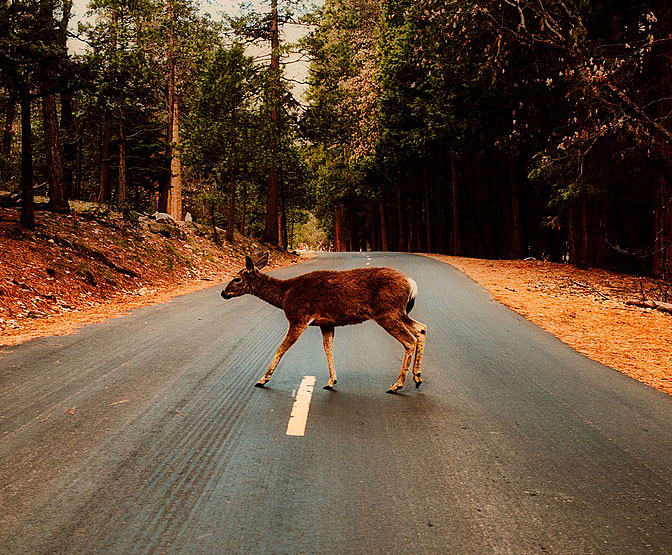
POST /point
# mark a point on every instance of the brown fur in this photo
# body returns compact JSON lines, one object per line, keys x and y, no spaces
{"x":337,"y":298}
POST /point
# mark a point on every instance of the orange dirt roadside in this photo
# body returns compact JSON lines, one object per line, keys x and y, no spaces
{"x":77,"y":269}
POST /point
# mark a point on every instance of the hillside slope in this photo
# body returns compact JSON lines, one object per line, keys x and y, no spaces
{"x":81,"y":267}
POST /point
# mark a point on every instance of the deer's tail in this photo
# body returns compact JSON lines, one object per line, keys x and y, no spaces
{"x":412,"y":295}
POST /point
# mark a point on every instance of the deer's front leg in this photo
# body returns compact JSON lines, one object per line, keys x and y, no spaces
{"x":328,"y":341}
{"x":293,"y":333}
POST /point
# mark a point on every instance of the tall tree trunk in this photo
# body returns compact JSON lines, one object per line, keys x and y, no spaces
{"x":121,"y":193}
{"x":455,"y":235}
{"x":516,"y":247}
{"x":104,"y":189}
{"x":402,"y":244}
{"x":232,"y":205}
{"x":480,"y":206}
{"x":662,"y":259}
{"x":78,"y":177}
{"x":175,"y":164}
{"x":164,"y":182}
{"x":374,"y":231}
{"x":383,"y":223}
{"x":69,"y":142}
{"x":662,"y":247}
{"x":420,"y":245}
{"x":57,"y":198}
{"x":578,"y":233}
{"x":27,"y":217}
{"x":439,"y":205}
{"x":291,"y":232}
{"x":354,"y":227}
{"x":339,"y":221}
{"x":67,"y":117}
{"x":428,"y":210}
{"x":165,"y":203}
{"x":272,"y":193}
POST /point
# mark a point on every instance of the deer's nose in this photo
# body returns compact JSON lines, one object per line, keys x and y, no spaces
{"x":225,"y":295}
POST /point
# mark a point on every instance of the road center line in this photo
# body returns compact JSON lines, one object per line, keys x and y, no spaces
{"x":297,"y":420}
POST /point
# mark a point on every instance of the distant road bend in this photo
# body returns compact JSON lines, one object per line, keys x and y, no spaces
{"x":144,"y":434}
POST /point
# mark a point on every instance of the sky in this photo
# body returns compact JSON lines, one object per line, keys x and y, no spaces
{"x":296,"y":67}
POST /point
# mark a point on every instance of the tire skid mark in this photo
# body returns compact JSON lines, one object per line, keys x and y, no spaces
{"x":161,"y":426}
{"x":220,"y":416}
{"x":179,"y":488}
{"x":209,"y":409}
{"x":198,"y":488}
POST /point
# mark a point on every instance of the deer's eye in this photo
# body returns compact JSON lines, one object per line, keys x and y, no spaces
{"x":237,"y":280}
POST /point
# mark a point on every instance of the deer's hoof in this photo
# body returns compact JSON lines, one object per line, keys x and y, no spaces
{"x":329,"y":387}
{"x":259,"y":384}
{"x":391,"y":391}
{"x":418,"y":384}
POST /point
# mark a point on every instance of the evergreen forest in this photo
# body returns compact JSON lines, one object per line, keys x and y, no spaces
{"x":500,"y":129}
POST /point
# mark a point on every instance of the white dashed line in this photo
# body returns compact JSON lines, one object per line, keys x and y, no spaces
{"x":299,"y":417}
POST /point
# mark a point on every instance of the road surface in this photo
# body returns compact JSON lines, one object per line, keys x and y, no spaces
{"x":144,"y":434}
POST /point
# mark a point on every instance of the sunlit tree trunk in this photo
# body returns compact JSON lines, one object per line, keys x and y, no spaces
{"x":272,"y":194}
{"x":170,"y":186}
{"x":175,"y":193}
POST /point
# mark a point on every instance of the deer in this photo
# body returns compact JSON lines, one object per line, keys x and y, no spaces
{"x":328,"y":299}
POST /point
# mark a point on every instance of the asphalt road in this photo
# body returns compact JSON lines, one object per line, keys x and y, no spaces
{"x":514,"y":443}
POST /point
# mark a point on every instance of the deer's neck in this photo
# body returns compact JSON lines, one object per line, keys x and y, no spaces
{"x":270,"y":289}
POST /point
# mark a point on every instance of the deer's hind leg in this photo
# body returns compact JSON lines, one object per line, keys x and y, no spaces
{"x":397,"y":329}
{"x":293,"y":333}
{"x":328,"y":342}
{"x":419,"y":330}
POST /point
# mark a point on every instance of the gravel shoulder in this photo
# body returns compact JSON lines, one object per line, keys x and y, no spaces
{"x":586,"y":309}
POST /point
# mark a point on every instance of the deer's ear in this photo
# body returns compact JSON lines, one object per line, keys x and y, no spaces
{"x":262,"y":260}
{"x":249,"y":264}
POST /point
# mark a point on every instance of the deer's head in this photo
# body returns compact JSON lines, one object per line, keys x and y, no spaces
{"x":243,"y":283}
